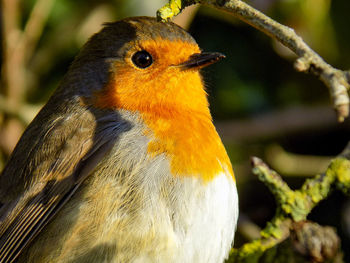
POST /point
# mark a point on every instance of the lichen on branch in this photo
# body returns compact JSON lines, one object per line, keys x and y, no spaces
{"x":337,"y":81}
{"x":293,"y":206}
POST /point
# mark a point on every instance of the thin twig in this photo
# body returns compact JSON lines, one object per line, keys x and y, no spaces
{"x":309,"y":61}
{"x":291,"y":164}
{"x":271,"y":179}
{"x":35,"y":26}
{"x":24,"y":113}
{"x":10,"y":36}
{"x":19,"y":51}
{"x":277,"y":123}
{"x":247,"y":228}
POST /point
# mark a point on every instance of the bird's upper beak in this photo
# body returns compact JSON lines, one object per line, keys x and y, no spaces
{"x":201,"y":60}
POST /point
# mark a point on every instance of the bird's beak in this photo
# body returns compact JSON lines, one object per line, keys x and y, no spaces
{"x":201,"y":60}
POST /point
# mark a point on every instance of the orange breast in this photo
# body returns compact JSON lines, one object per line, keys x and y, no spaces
{"x":191,"y":143}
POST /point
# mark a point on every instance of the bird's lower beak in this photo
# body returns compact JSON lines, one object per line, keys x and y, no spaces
{"x":201,"y":60}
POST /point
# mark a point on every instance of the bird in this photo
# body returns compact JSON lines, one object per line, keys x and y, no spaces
{"x":123,"y":163}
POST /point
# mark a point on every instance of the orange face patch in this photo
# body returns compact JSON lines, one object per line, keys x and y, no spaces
{"x":173,"y":104}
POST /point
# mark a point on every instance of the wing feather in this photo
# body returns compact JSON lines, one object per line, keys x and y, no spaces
{"x":57,"y":175}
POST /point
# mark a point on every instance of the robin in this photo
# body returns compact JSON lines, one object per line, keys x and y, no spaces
{"x":123,"y":163}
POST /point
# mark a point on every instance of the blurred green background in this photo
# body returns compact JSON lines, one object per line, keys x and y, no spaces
{"x":261,"y":105}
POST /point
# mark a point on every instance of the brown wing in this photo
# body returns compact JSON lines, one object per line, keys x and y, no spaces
{"x":34,"y":188}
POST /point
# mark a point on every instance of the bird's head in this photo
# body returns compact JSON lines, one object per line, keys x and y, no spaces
{"x":146,"y":66}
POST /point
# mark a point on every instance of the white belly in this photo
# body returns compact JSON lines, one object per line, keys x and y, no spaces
{"x":179,"y":220}
{"x":188,"y":222}
{"x":210,"y":222}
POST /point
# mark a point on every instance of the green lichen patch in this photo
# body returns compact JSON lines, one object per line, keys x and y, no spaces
{"x":172,"y":8}
{"x":341,"y":168}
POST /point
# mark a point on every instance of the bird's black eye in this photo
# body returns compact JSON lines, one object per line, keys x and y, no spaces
{"x":142,"y":59}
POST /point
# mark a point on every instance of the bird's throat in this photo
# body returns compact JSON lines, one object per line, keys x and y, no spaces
{"x":191,"y":143}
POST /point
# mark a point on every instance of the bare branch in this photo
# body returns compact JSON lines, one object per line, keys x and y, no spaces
{"x":309,"y":61}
